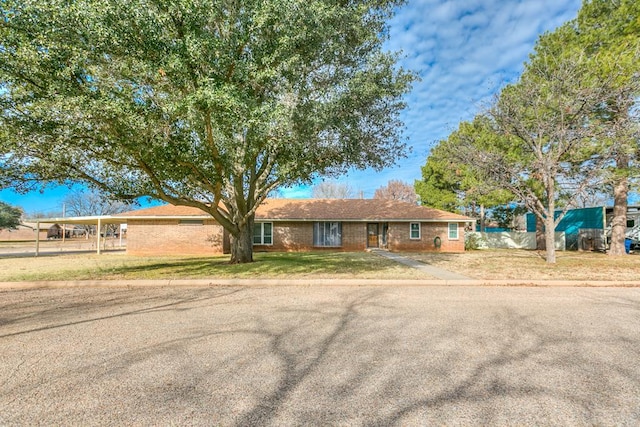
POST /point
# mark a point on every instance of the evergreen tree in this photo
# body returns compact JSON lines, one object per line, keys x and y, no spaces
{"x":9,"y":216}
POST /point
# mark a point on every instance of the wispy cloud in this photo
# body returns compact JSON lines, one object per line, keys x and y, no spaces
{"x":464,"y":51}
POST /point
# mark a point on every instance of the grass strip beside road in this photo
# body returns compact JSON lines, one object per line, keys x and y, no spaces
{"x":485,"y":264}
{"x":119,"y":266}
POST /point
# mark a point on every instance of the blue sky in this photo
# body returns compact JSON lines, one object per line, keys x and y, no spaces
{"x":464,"y":51}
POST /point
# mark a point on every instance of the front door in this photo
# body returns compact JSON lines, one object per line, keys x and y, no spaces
{"x":372,"y":235}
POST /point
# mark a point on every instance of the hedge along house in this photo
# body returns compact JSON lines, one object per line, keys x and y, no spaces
{"x":300,"y":225}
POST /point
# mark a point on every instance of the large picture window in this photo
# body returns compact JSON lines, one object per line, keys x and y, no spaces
{"x":263,"y":233}
{"x":327,"y":234}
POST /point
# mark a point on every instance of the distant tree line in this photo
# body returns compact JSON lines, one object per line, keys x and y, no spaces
{"x":393,"y":190}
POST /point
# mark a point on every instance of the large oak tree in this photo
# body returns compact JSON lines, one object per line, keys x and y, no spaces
{"x":208,"y":103}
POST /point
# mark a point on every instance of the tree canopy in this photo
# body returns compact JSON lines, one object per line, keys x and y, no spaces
{"x":10,"y":216}
{"x":450,"y":184}
{"x":611,"y":30}
{"x":549,"y":141}
{"x":207,"y":103}
{"x":607,"y":34}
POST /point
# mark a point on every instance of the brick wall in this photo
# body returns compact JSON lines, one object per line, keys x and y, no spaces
{"x":168,"y":237}
{"x":399,"y":238}
{"x":298,"y":236}
{"x":21,"y":233}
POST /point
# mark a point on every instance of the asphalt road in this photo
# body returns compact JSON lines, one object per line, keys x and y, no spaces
{"x":320,"y":356}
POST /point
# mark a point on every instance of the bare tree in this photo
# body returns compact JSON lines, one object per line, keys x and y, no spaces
{"x":87,"y":203}
{"x":90,"y":203}
{"x":396,"y":190}
{"x":332,"y":190}
{"x":591,"y":197}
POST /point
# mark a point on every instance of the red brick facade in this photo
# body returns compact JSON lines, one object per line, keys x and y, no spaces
{"x":170,"y":237}
{"x":298,"y":236}
{"x":399,"y":238}
{"x":21,"y":234}
{"x":364,"y":223}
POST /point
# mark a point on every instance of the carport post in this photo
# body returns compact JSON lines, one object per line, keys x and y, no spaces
{"x":37,"y":237}
{"x":99,"y":227}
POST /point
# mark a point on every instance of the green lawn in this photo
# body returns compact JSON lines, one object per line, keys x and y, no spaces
{"x":267,"y":265}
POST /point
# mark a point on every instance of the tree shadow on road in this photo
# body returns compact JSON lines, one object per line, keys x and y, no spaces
{"x":356,"y":356}
{"x":56,"y":315}
{"x":520,"y":363}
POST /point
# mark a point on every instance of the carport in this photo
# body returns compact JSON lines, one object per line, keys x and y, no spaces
{"x":98,"y":221}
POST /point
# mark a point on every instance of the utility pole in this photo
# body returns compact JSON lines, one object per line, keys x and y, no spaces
{"x":64,"y":231}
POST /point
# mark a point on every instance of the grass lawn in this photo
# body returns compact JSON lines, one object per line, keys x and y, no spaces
{"x":521,"y":264}
{"x":110,"y":266}
{"x":484,"y":264}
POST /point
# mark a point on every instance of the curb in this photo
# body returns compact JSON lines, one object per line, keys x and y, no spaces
{"x":313,"y":282}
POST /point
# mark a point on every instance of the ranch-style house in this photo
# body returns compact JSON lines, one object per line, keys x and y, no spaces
{"x":300,"y":225}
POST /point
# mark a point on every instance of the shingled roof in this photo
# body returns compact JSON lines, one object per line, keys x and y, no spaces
{"x":320,"y":210}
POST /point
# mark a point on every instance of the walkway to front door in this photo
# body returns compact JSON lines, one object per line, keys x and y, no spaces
{"x":431,"y":270}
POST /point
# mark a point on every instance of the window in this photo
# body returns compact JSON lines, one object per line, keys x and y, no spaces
{"x":453,"y":231}
{"x":630,"y":223}
{"x":263,"y":233}
{"x":191,"y":222}
{"x":327,"y":234}
{"x":414,"y":231}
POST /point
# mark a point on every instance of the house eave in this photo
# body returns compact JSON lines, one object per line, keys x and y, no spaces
{"x":111,"y":219}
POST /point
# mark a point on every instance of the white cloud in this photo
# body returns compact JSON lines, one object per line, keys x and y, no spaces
{"x":465,"y":51}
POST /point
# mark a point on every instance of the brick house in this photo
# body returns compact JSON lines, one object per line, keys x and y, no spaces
{"x":25,"y":232}
{"x":301,"y":225}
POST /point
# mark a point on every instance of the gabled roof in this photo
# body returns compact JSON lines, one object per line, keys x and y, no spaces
{"x":320,"y":210}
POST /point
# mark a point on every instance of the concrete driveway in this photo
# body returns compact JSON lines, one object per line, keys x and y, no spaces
{"x":320,"y":356}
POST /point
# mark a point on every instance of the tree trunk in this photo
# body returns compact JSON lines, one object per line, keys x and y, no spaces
{"x":620,"y":200}
{"x":550,"y":239}
{"x":242,"y":244}
{"x":540,"y":244}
